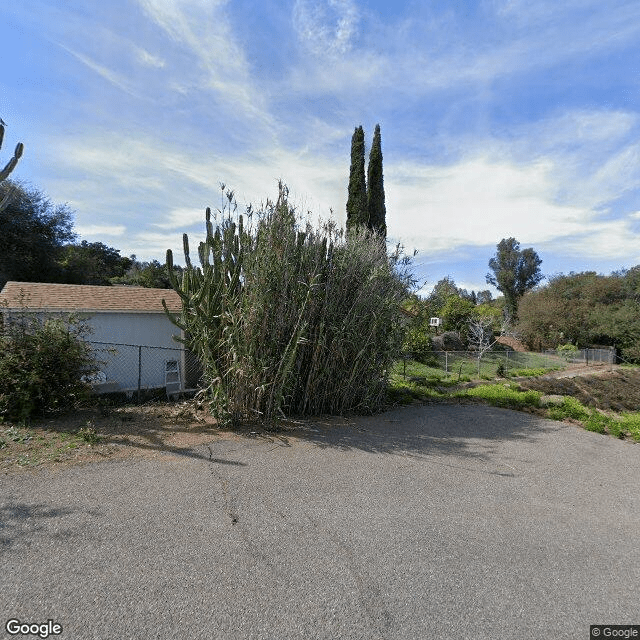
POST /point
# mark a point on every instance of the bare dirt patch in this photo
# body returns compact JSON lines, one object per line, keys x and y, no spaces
{"x":617,"y":390}
{"x":99,"y":433}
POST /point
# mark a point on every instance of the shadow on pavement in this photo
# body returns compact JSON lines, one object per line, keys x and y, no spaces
{"x":472,"y":430}
{"x":20,"y":522}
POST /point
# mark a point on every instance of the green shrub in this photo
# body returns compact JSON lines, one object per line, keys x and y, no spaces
{"x":503,"y":396}
{"x":570,"y":408}
{"x":567,"y":348}
{"x":597,"y":422}
{"x":41,"y":366}
{"x":287,"y":321}
{"x":630,"y":423}
{"x":88,"y":434}
{"x":417,"y":342}
{"x":626,"y":423}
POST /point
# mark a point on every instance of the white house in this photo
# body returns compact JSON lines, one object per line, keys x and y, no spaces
{"x":132,"y":335}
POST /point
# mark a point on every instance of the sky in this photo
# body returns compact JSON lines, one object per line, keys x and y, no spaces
{"x":499,"y":118}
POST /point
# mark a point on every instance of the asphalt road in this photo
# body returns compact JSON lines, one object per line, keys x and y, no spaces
{"x":439,"y":522}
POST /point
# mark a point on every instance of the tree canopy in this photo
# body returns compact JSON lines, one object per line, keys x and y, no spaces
{"x":357,"y":213}
{"x":515,"y":272}
{"x":91,"y":263}
{"x":33,"y":233}
{"x":584,"y":309}
{"x":148,"y":274}
{"x":377,"y":211}
{"x":366,"y":200}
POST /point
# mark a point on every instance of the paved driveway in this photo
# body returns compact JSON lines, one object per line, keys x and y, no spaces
{"x":437,"y":522}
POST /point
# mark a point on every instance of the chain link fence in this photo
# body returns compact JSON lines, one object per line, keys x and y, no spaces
{"x":586,"y":356}
{"x":492,"y":363}
{"x":139,"y":370}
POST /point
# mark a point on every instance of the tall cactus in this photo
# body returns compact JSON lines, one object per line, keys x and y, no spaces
{"x":210,"y":294}
{"x":10,"y":166}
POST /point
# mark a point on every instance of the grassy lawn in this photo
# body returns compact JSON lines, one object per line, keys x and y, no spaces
{"x":605,"y":403}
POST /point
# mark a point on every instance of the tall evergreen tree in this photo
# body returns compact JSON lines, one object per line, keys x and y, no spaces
{"x":515,"y":272}
{"x":357,"y":213}
{"x":377,"y":218}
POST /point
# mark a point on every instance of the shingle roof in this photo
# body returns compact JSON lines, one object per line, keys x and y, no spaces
{"x":83,"y":297}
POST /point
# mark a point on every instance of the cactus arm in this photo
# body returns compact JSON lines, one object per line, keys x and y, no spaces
{"x":11,"y":165}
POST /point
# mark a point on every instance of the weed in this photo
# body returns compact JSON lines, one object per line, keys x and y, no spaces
{"x":529,"y":373}
{"x":597,"y":422}
{"x":570,"y":408}
{"x":630,"y":422}
{"x":17,"y":435}
{"x":503,"y":396}
{"x":593,"y":420}
{"x":88,"y":434}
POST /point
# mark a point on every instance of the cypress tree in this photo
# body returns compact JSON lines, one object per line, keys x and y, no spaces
{"x":357,"y":213}
{"x":377,"y":212}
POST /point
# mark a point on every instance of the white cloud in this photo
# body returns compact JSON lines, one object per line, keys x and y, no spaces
{"x":148,"y":59}
{"x":98,"y":230}
{"x":181,"y":217}
{"x":464,"y":204}
{"x":109,"y":75}
{"x":325,"y":27}
{"x":580,"y":128}
{"x":203,"y":29}
{"x":477,"y":202}
{"x":440,"y":210}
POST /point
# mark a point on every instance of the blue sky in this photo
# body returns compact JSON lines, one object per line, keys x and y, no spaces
{"x":499,"y":118}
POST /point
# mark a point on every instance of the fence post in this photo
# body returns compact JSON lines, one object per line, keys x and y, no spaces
{"x":139,"y":371}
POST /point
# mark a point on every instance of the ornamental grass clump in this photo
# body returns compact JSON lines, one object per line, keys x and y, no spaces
{"x":290,"y":319}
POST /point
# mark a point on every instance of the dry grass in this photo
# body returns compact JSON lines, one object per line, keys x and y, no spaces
{"x":95,"y":434}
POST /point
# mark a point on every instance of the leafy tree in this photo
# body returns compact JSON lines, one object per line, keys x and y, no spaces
{"x":91,"y":263}
{"x":457,"y":313}
{"x":418,"y":334}
{"x":471,"y":296}
{"x":357,"y":213}
{"x":484,"y":296}
{"x":584,"y":309}
{"x":377,"y":212}
{"x":148,"y":274}
{"x":515,"y":272}
{"x":441,"y":292}
{"x":33,"y":233}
